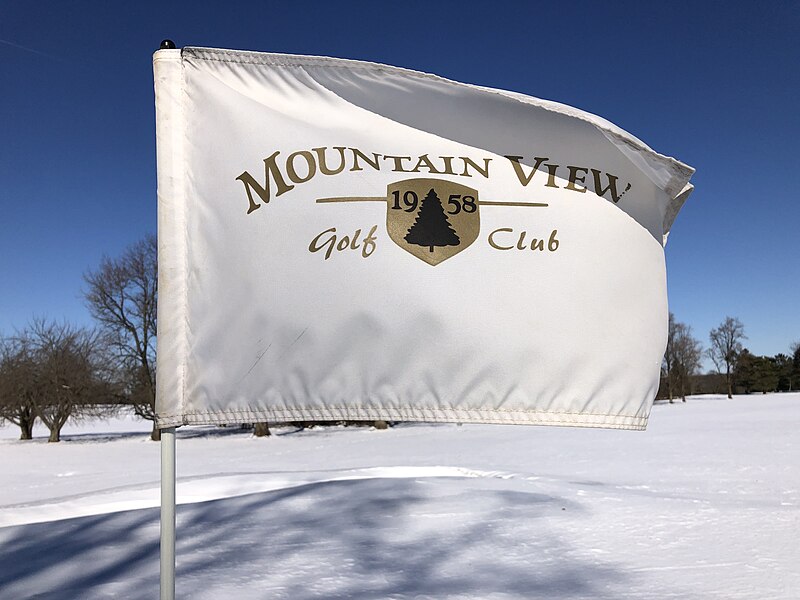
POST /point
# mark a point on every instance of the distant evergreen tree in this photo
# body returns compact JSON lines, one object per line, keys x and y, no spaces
{"x":767,"y":375}
{"x":795,"y":372}
{"x":757,"y":373}
{"x":431,"y":227}
{"x":745,"y":371}
{"x":783,"y":365}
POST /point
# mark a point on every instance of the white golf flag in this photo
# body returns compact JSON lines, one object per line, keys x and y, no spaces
{"x":348,"y":240}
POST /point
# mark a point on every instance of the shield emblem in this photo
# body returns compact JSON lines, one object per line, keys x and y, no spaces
{"x":433,"y":219}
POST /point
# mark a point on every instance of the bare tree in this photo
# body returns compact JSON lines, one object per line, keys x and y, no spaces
{"x":122,"y":296}
{"x":66,"y":377}
{"x":687,"y":353}
{"x":668,"y":363}
{"x":726,"y":344}
{"x":51,"y":371}
{"x":17,"y":370}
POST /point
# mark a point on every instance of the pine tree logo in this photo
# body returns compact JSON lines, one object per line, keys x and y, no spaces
{"x":433,"y":219}
{"x":432,"y":229}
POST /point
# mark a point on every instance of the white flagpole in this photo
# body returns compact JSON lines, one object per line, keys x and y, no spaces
{"x":168,"y":514}
{"x":165,"y":135}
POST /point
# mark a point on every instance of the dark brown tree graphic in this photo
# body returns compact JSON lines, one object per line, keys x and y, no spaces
{"x":431,"y":227}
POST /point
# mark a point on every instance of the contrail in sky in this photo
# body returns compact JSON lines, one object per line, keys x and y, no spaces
{"x":21,"y":47}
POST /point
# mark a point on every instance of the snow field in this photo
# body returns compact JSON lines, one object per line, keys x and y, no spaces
{"x":704,"y":504}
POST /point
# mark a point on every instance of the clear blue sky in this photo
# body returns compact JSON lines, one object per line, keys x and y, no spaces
{"x":714,"y":84}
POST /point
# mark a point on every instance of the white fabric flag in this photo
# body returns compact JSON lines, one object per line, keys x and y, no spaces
{"x":348,"y":240}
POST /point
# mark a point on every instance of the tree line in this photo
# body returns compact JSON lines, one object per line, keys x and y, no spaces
{"x":54,"y":371}
{"x":737,"y":370}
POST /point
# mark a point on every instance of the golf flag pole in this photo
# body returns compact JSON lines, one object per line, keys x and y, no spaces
{"x":168,"y":513}
{"x":168,"y":475}
{"x":341,"y":240}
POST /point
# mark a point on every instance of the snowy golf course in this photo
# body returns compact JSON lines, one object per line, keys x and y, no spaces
{"x":704,"y":504}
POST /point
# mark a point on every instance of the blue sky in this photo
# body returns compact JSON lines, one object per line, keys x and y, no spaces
{"x":715,"y":84}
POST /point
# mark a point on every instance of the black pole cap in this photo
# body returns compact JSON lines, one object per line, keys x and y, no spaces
{"x":167,"y":45}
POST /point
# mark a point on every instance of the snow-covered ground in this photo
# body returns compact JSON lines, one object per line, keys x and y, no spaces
{"x":703,"y":505}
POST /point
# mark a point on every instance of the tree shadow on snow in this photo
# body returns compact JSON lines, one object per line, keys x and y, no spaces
{"x":357,"y":540}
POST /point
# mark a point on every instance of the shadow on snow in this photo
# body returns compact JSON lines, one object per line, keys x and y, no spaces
{"x":359,"y":539}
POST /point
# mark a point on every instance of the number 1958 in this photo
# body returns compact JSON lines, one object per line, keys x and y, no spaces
{"x":456,"y":202}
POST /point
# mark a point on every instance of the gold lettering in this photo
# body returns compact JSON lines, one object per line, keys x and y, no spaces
{"x":525,"y":179}
{"x":398,"y":160}
{"x":329,"y":241}
{"x":359,"y":154}
{"x":612,"y":186}
{"x":311,"y":163}
{"x":313,"y":247}
{"x":448,"y":165}
{"x":551,"y":175}
{"x":323,"y":165}
{"x":354,"y":244}
{"x":573,"y":178}
{"x":249,"y":182}
{"x":536,"y":244}
{"x":424,"y":161}
{"x":553,"y":243}
{"x":468,"y":162}
{"x":495,"y":245}
{"x":369,"y":243}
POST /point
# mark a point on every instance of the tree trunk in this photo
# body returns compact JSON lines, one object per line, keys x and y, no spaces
{"x":669,"y":385}
{"x":262,"y":430}
{"x":26,"y":429}
{"x":55,"y":435}
{"x":155,"y":434}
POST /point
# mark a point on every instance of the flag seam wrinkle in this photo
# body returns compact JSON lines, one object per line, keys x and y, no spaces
{"x":355,"y":407}
{"x":426,"y":415}
{"x":409,"y":412}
